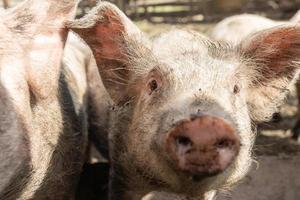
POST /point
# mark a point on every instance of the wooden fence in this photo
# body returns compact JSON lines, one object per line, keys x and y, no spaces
{"x":184,"y":11}
{"x":181,"y":10}
{"x":6,"y":3}
{"x":175,"y":11}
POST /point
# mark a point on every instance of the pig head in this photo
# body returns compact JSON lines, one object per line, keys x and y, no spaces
{"x":184,"y":104}
{"x":42,"y":112}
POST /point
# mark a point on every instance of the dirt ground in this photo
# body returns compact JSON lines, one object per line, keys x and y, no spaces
{"x":275,"y":174}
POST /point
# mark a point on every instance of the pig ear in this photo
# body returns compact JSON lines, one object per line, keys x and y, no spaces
{"x":38,"y":29}
{"x":273,"y":56}
{"x":109,"y":33}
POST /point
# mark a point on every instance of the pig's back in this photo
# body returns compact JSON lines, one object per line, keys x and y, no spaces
{"x":296,"y":18}
{"x":233,"y":29}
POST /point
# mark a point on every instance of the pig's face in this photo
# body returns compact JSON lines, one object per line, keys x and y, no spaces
{"x":185,"y":80}
{"x":182,"y":120}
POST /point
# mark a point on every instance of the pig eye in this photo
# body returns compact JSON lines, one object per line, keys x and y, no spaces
{"x":154,"y":81}
{"x":236,"y":89}
{"x":152,"y":86}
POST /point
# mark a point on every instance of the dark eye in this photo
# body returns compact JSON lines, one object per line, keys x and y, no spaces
{"x":152,"y":86}
{"x":154,"y":81}
{"x":236,"y":89}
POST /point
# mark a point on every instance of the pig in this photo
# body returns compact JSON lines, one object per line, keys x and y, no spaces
{"x":43,"y":122}
{"x":235,"y":28}
{"x":296,"y":17}
{"x":296,"y":129}
{"x":181,"y":125}
{"x":79,"y":58}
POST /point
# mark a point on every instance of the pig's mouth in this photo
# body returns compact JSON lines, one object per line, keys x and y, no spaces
{"x":205,"y":163}
{"x":202,"y":176}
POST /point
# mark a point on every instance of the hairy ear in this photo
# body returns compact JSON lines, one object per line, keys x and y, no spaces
{"x":35,"y":31}
{"x":110,"y":35}
{"x":274,"y":57}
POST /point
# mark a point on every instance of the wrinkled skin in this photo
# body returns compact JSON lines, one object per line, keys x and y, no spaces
{"x":157,"y":84}
{"x":43,"y":129}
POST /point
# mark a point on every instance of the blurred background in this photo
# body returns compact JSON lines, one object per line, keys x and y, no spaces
{"x":199,"y":15}
{"x":184,"y":11}
{"x":187,"y":11}
{"x":276,"y":174}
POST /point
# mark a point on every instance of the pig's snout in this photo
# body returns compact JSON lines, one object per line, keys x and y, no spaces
{"x":203,"y":146}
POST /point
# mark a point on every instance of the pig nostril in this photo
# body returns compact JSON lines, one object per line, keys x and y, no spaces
{"x":224,"y":143}
{"x":184,"y":141}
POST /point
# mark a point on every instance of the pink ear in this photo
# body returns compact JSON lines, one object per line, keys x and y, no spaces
{"x":273,"y":56}
{"x":274,"y":52}
{"x":105,"y":29}
{"x":105,"y":37}
{"x":109,"y":32}
{"x":37,"y":30}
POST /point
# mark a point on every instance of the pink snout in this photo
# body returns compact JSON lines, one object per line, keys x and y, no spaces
{"x":203,"y":146}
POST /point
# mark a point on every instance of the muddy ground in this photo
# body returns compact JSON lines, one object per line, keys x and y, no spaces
{"x":275,"y":174}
